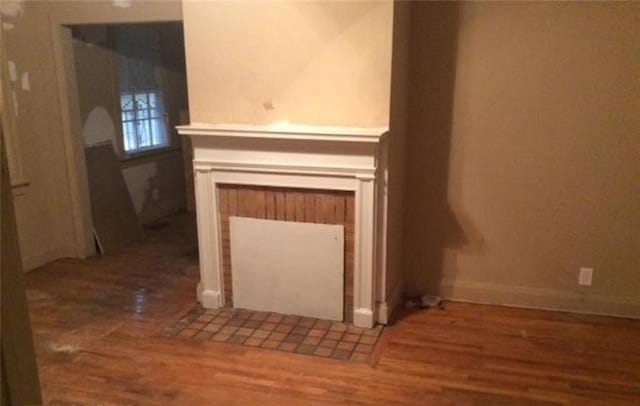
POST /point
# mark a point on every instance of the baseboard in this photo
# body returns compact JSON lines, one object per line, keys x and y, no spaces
{"x":160,"y":210}
{"x":386,"y":309}
{"x":536,"y":298}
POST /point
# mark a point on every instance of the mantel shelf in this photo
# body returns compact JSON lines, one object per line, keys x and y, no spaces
{"x":286,"y":131}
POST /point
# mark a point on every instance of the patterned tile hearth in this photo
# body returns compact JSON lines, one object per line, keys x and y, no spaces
{"x":302,"y":335}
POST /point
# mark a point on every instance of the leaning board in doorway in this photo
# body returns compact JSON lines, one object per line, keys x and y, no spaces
{"x":115,"y":222}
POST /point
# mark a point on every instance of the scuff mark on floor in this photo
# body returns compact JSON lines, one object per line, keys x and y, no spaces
{"x":38,"y":295}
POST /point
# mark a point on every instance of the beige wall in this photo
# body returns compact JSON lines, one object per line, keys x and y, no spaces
{"x":43,"y":207}
{"x":524,"y":154}
{"x":398,"y":129}
{"x":94,"y":59}
{"x":36,"y":129}
{"x":324,"y":63}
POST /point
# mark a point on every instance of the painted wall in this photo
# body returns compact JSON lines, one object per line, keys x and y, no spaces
{"x":42,"y":233}
{"x":324,"y":63}
{"x":398,"y":129}
{"x":524,"y":154}
{"x":156,"y":184}
{"x":45,"y":231}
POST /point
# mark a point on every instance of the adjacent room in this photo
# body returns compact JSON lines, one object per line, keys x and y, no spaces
{"x":319,"y":202}
{"x":132,"y":92}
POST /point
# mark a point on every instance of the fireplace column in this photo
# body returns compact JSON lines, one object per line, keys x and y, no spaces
{"x":364,"y":295}
{"x":209,"y":291}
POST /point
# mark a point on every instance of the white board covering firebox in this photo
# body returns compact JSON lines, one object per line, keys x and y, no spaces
{"x":288,"y":267}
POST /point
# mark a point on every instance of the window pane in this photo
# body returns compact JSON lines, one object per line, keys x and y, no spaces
{"x":129,"y":131}
{"x":144,"y":135}
{"x":128,"y":115}
{"x":155,"y":113}
{"x":159,"y":132}
{"x":126,"y":102}
{"x":153,"y":103}
{"x":142,"y":114}
{"x":141,"y":101}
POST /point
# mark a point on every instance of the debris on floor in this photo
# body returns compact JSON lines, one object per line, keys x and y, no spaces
{"x":425,"y":302}
{"x":65,"y":348}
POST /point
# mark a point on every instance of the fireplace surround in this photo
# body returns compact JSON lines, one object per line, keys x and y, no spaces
{"x":273,"y":158}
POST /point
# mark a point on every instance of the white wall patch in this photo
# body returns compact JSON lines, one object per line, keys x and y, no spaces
{"x":99,"y":127}
{"x":13,"y":72}
{"x":122,"y":3}
{"x":12,"y":8}
{"x":15,"y":102}
{"x":24,"y":81}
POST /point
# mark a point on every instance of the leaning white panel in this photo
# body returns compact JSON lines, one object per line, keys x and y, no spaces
{"x":288,"y":267}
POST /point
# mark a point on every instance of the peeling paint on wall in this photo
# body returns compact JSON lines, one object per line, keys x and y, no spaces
{"x":99,"y":127}
{"x":122,"y":3}
{"x":8,"y":26}
{"x":14,"y":96}
{"x":13,"y":73}
{"x":24,"y":81}
{"x":12,"y":8}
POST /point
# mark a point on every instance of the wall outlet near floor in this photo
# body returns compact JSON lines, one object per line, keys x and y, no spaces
{"x":586,"y":277}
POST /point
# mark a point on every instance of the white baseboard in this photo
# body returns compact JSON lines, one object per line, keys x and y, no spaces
{"x":536,"y":298}
{"x":386,"y":308}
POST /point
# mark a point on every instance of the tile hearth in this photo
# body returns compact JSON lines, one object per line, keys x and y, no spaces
{"x":302,"y":335}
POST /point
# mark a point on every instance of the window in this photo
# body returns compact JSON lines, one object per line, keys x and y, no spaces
{"x":143,"y":124}
{"x":140,"y":79}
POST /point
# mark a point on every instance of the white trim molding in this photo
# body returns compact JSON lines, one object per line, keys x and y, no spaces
{"x":309,"y":157}
{"x":286,"y":131}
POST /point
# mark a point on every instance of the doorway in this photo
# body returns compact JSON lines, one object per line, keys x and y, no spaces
{"x":129,"y":81}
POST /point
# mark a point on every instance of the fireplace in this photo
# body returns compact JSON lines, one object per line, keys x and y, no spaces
{"x":291,"y":178}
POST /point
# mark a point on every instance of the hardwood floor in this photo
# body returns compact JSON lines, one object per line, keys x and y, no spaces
{"x":98,"y":329}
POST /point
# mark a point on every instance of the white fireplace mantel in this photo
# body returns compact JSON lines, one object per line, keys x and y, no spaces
{"x":294,"y":156}
{"x":287,"y":131}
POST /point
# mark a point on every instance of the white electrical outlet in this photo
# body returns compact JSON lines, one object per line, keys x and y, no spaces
{"x":586,"y":277}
